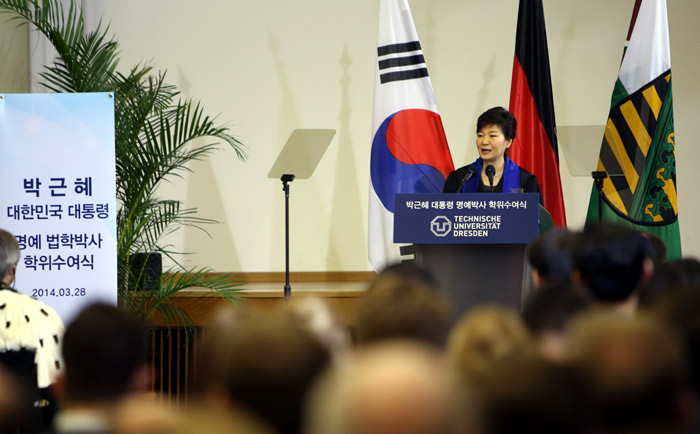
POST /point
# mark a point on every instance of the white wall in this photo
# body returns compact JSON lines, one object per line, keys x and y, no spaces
{"x":13,"y":57}
{"x":271,"y":66}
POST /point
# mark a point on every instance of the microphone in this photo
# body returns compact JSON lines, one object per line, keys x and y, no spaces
{"x":470,"y":172}
{"x":490,"y":171}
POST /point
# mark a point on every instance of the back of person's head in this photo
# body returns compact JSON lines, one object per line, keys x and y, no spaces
{"x":670,"y":276}
{"x":612,"y":261}
{"x":529,"y":395}
{"x":141,"y":415}
{"x":317,"y":316}
{"x":686,"y":272}
{"x":548,"y":312}
{"x":551,"y":256}
{"x":658,"y":246}
{"x":484,"y":337}
{"x":264,"y":363}
{"x":405,"y":271}
{"x":553,"y":307}
{"x":500,"y":117}
{"x":634,"y":373}
{"x":396,"y":387}
{"x":12,"y":411}
{"x":679,"y":309}
{"x":9,"y":252}
{"x":103,"y":351}
{"x":403,"y":303}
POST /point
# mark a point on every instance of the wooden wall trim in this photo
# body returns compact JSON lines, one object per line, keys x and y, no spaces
{"x":304,"y":276}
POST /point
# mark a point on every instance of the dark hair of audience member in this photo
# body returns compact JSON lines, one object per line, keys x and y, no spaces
{"x":611,"y":260}
{"x":680,"y":310}
{"x":103,"y":348}
{"x":687,"y":271}
{"x":553,"y":307}
{"x":13,"y":413}
{"x":658,"y":247}
{"x":263,"y":363}
{"x":403,"y":302}
{"x":551,"y":255}
{"x":634,"y":374}
{"x":528,"y":395}
{"x":669,"y":276}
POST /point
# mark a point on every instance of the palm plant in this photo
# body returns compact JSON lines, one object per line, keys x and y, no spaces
{"x":155,"y":138}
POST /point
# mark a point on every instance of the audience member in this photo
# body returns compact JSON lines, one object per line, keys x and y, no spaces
{"x":263,"y":363}
{"x":29,"y":338}
{"x":529,"y":395}
{"x":317,"y":317}
{"x":548,"y":312}
{"x":679,"y":309}
{"x":403,"y":302}
{"x":633,"y":372}
{"x":388,"y":388}
{"x":104,"y":354}
{"x":138,"y":416}
{"x":658,"y":247}
{"x":484,"y":337}
{"x":551,"y":257}
{"x":613,"y":262}
{"x":12,"y":413}
{"x":670,"y":276}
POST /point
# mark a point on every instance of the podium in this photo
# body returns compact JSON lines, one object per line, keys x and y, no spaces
{"x":474,"y":243}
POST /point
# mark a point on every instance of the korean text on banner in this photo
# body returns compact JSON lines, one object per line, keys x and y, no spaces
{"x":58,"y":196}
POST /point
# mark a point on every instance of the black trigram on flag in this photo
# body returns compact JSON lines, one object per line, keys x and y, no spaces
{"x":401,"y":62}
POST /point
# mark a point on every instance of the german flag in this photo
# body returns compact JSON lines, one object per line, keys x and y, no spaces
{"x":638,"y":148}
{"x":535,"y":146}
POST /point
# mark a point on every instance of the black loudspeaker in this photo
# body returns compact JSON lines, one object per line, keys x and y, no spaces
{"x":146,"y":269}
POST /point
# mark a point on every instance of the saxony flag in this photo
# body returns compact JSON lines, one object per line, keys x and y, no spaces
{"x":638,"y":148}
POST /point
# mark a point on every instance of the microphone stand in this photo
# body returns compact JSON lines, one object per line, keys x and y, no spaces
{"x":467,"y":177}
{"x":286,"y":179}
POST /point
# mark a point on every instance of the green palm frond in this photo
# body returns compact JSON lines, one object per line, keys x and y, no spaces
{"x":157,"y":135}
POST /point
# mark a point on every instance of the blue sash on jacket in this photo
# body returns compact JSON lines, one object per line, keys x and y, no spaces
{"x":511,"y":176}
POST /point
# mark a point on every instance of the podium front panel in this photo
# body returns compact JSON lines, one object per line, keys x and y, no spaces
{"x":476,"y":274}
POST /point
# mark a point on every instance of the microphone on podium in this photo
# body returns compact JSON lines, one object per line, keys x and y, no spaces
{"x":490,"y":172}
{"x":467,"y":176}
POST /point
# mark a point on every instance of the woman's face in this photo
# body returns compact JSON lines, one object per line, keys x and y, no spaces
{"x":491,"y":143}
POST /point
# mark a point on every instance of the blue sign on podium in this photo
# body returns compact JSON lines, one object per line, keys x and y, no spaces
{"x":466,"y":218}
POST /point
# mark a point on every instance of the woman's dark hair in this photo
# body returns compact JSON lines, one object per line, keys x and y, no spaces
{"x":501,"y":117}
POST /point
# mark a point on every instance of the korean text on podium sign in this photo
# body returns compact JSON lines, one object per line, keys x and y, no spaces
{"x":466,"y":218}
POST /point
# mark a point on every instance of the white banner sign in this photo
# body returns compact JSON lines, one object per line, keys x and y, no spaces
{"x":58,"y":197}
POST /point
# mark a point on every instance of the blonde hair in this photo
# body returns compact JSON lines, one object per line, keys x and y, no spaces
{"x":484,"y":337}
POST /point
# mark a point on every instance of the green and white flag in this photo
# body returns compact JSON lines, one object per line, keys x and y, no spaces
{"x":638,"y":149}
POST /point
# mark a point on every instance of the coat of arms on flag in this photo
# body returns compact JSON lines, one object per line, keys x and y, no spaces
{"x":639,"y":141}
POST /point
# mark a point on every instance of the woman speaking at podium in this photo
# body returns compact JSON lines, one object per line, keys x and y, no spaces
{"x":493,"y":172}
